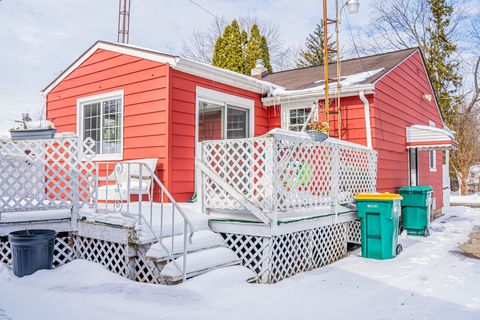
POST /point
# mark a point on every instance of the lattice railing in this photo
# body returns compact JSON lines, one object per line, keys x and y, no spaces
{"x":282,"y":172}
{"x":46,"y":174}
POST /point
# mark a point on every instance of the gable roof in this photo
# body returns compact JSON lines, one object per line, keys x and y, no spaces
{"x":182,"y":64}
{"x":304,"y":78}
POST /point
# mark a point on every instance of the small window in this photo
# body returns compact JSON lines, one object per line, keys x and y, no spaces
{"x":101,"y":119}
{"x":433,"y":160}
{"x":432,"y":154}
{"x":297,"y":118}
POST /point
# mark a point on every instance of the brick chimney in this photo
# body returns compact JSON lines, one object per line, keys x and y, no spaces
{"x":259,"y":72}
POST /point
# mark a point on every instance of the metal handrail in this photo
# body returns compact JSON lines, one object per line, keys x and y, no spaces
{"x":188,"y":228}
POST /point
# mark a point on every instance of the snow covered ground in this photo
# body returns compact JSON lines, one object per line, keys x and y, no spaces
{"x":430,"y":279}
{"x":473,"y":199}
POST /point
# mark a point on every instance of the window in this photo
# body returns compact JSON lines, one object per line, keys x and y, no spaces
{"x":432,"y":154}
{"x":297,"y":118}
{"x":294,"y":117}
{"x":101,"y":118}
{"x":223,"y":116}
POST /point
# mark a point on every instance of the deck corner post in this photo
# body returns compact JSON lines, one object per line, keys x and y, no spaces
{"x":132,"y":255}
{"x":336,"y":167}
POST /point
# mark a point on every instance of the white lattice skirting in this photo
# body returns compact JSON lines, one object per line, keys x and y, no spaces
{"x":354,"y":234}
{"x":116,"y":257}
{"x":278,"y":257}
{"x":127,"y":261}
{"x":62,"y":253}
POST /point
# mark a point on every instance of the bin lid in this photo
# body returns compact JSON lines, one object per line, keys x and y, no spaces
{"x":376,"y":196}
{"x":415,"y":189}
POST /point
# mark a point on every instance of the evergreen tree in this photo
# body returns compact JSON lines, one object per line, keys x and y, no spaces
{"x":257,"y":48}
{"x":313,"y":54}
{"x":438,"y":52}
{"x":229,"y":49}
{"x":238,"y":51}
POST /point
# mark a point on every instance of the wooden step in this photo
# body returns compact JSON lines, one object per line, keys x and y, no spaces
{"x":198,"y":263}
{"x":203,"y":239}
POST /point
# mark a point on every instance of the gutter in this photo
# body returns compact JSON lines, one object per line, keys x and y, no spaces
{"x":314,"y":94}
{"x":368,"y":127}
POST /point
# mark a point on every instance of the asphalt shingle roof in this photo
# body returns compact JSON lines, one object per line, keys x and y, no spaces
{"x":303,"y":78}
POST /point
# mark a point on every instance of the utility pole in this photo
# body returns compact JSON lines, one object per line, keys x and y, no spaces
{"x":352,"y":7}
{"x":123,"y":21}
{"x":326,"y":51}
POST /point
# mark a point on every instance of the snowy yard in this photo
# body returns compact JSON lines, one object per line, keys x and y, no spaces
{"x":473,"y":199}
{"x":429,"y":280}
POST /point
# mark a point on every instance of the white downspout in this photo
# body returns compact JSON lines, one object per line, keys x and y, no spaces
{"x":368,"y":127}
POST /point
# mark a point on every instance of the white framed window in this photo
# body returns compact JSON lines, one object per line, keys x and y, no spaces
{"x":295,"y":116}
{"x":223,"y":116}
{"x":100,"y":117}
{"x":432,"y":154}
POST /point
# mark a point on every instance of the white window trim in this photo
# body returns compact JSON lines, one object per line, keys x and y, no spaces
{"x":221,"y":98}
{"x":95,"y":98}
{"x":285,"y":112}
{"x":432,"y":153}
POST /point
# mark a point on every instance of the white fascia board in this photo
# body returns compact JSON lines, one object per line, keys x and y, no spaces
{"x":298,"y":97}
{"x":189,"y":66}
{"x":223,"y":76}
{"x":124,"y":49}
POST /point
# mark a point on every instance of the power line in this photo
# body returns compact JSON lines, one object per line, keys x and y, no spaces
{"x":352,"y":37}
{"x":206,"y":10}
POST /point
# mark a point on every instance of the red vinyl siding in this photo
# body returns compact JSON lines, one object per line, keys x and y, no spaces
{"x":183,"y":107}
{"x":399,"y":103}
{"x":145,"y":101}
{"x":353,"y":118}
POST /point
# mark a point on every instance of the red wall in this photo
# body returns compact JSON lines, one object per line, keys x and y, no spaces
{"x":183,"y":127}
{"x":353,"y":118}
{"x":145,"y":101}
{"x":398,"y":104}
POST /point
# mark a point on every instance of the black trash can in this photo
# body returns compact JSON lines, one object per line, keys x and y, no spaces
{"x":32,"y":250}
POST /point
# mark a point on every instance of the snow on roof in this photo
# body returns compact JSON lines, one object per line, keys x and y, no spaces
{"x":346,"y":82}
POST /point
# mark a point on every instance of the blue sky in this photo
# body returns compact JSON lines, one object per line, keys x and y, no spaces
{"x":40,"y":38}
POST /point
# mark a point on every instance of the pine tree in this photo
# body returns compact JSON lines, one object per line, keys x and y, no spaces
{"x":238,"y":51}
{"x":229,"y":49}
{"x":257,"y":48}
{"x":313,"y":54}
{"x":438,"y":53}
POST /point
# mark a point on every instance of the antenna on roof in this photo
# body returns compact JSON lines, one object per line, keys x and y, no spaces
{"x":123,"y":21}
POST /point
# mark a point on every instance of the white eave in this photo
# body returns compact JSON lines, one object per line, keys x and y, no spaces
{"x":427,"y":137}
{"x":181,"y":64}
{"x":317,"y":93}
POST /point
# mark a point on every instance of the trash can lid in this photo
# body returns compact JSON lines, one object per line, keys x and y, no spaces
{"x":386,"y":196}
{"x":415,"y":189}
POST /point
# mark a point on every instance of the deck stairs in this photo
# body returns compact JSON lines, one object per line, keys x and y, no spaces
{"x":206,"y":252}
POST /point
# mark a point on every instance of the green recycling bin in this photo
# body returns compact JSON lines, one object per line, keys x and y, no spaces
{"x":379,"y":214}
{"x":416,"y":209}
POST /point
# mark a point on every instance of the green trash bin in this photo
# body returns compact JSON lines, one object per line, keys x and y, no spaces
{"x":379,"y":215}
{"x":416,"y":209}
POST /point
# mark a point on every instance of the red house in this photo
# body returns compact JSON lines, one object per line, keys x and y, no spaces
{"x":138,"y":103}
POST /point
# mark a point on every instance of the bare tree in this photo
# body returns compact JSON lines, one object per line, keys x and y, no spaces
{"x":200,"y":46}
{"x":400,"y":24}
{"x":466,"y":122}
